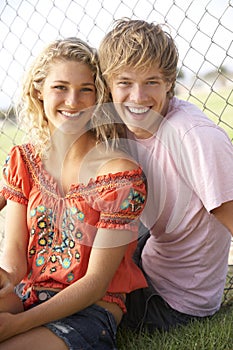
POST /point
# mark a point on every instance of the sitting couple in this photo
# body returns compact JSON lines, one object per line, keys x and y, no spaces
{"x":76,"y":191}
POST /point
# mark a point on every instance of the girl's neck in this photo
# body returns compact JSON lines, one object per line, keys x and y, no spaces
{"x":65,"y":158}
{"x":71,"y":146}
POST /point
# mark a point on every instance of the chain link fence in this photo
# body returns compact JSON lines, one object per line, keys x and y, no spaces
{"x":202,"y":29}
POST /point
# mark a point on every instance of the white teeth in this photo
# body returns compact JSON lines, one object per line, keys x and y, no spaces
{"x":139,"y":110}
{"x":70,"y":115}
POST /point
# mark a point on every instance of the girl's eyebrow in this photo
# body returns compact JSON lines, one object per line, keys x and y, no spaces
{"x":67,"y":82}
{"x":61,"y":81}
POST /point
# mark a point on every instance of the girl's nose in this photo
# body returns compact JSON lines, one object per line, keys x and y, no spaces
{"x":72,"y":99}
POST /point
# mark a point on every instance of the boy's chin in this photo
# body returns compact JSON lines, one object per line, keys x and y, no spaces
{"x":139,"y":132}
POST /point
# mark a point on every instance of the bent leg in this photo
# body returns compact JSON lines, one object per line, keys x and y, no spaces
{"x":39,"y":338}
{"x":148,"y":311}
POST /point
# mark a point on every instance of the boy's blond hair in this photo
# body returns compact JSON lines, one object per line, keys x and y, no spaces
{"x":139,"y":45}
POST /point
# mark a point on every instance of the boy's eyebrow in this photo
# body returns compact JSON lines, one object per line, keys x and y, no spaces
{"x":154,"y":77}
{"x":122,"y":77}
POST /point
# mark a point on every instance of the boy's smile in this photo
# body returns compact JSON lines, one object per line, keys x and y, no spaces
{"x":140,"y":98}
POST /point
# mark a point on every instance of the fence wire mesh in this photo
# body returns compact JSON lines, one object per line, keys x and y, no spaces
{"x":203,"y":31}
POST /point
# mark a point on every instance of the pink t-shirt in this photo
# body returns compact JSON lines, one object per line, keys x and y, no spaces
{"x":189,"y":168}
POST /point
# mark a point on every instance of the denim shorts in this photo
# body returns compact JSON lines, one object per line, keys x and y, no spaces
{"x":92,"y":328}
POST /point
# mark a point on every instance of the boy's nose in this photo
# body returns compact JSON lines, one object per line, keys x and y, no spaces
{"x":138,"y":94}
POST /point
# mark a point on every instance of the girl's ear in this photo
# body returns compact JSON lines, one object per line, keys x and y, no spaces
{"x":39,"y":95}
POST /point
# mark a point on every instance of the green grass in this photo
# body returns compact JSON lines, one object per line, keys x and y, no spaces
{"x":217,"y":106}
{"x":215,"y":333}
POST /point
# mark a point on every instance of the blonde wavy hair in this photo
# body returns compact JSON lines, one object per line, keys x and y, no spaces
{"x":30,"y":110}
{"x":139,"y":45}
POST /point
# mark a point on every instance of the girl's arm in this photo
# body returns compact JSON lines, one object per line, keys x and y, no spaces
{"x":14,"y":257}
{"x":2,"y":201}
{"x":103,"y":263}
{"x":2,"y":198}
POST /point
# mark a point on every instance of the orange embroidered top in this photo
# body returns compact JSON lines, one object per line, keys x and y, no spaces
{"x":61,"y":230}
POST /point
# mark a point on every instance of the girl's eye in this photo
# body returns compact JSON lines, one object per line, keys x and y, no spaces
{"x":59,"y":87}
{"x":124,"y":83}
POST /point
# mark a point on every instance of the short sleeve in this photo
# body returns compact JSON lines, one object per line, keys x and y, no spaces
{"x":120,"y":199}
{"x":207,"y":163}
{"x":16,"y":179}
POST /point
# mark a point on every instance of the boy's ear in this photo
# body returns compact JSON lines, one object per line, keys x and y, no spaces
{"x":109,"y":94}
{"x":169,"y":85}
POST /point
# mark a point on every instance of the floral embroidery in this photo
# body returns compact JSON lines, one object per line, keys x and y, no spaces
{"x":135,"y":200}
{"x":66,"y":263}
{"x":70,"y":277}
{"x":53,"y":258}
{"x":80,"y":216}
{"x":40,"y":261}
{"x":48,"y":237}
{"x":42,"y":242}
{"x":77,"y":256}
{"x":79,"y":235}
{"x":32,"y":251}
{"x":53,"y":269}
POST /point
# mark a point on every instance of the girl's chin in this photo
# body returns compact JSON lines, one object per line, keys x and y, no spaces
{"x":66,"y":129}
{"x":71,"y":130}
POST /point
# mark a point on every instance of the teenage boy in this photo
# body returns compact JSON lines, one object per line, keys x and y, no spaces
{"x":188,"y":161}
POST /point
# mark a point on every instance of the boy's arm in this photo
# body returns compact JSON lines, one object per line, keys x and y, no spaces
{"x":224,"y":214}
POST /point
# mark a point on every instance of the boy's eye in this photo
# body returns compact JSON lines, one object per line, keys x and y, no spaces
{"x":87,"y":89}
{"x":152,"y":82}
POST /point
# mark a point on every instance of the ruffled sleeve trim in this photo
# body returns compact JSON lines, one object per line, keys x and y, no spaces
{"x":16,"y":179}
{"x":127,"y":174}
{"x":119,"y":198}
{"x":11,"y":193}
